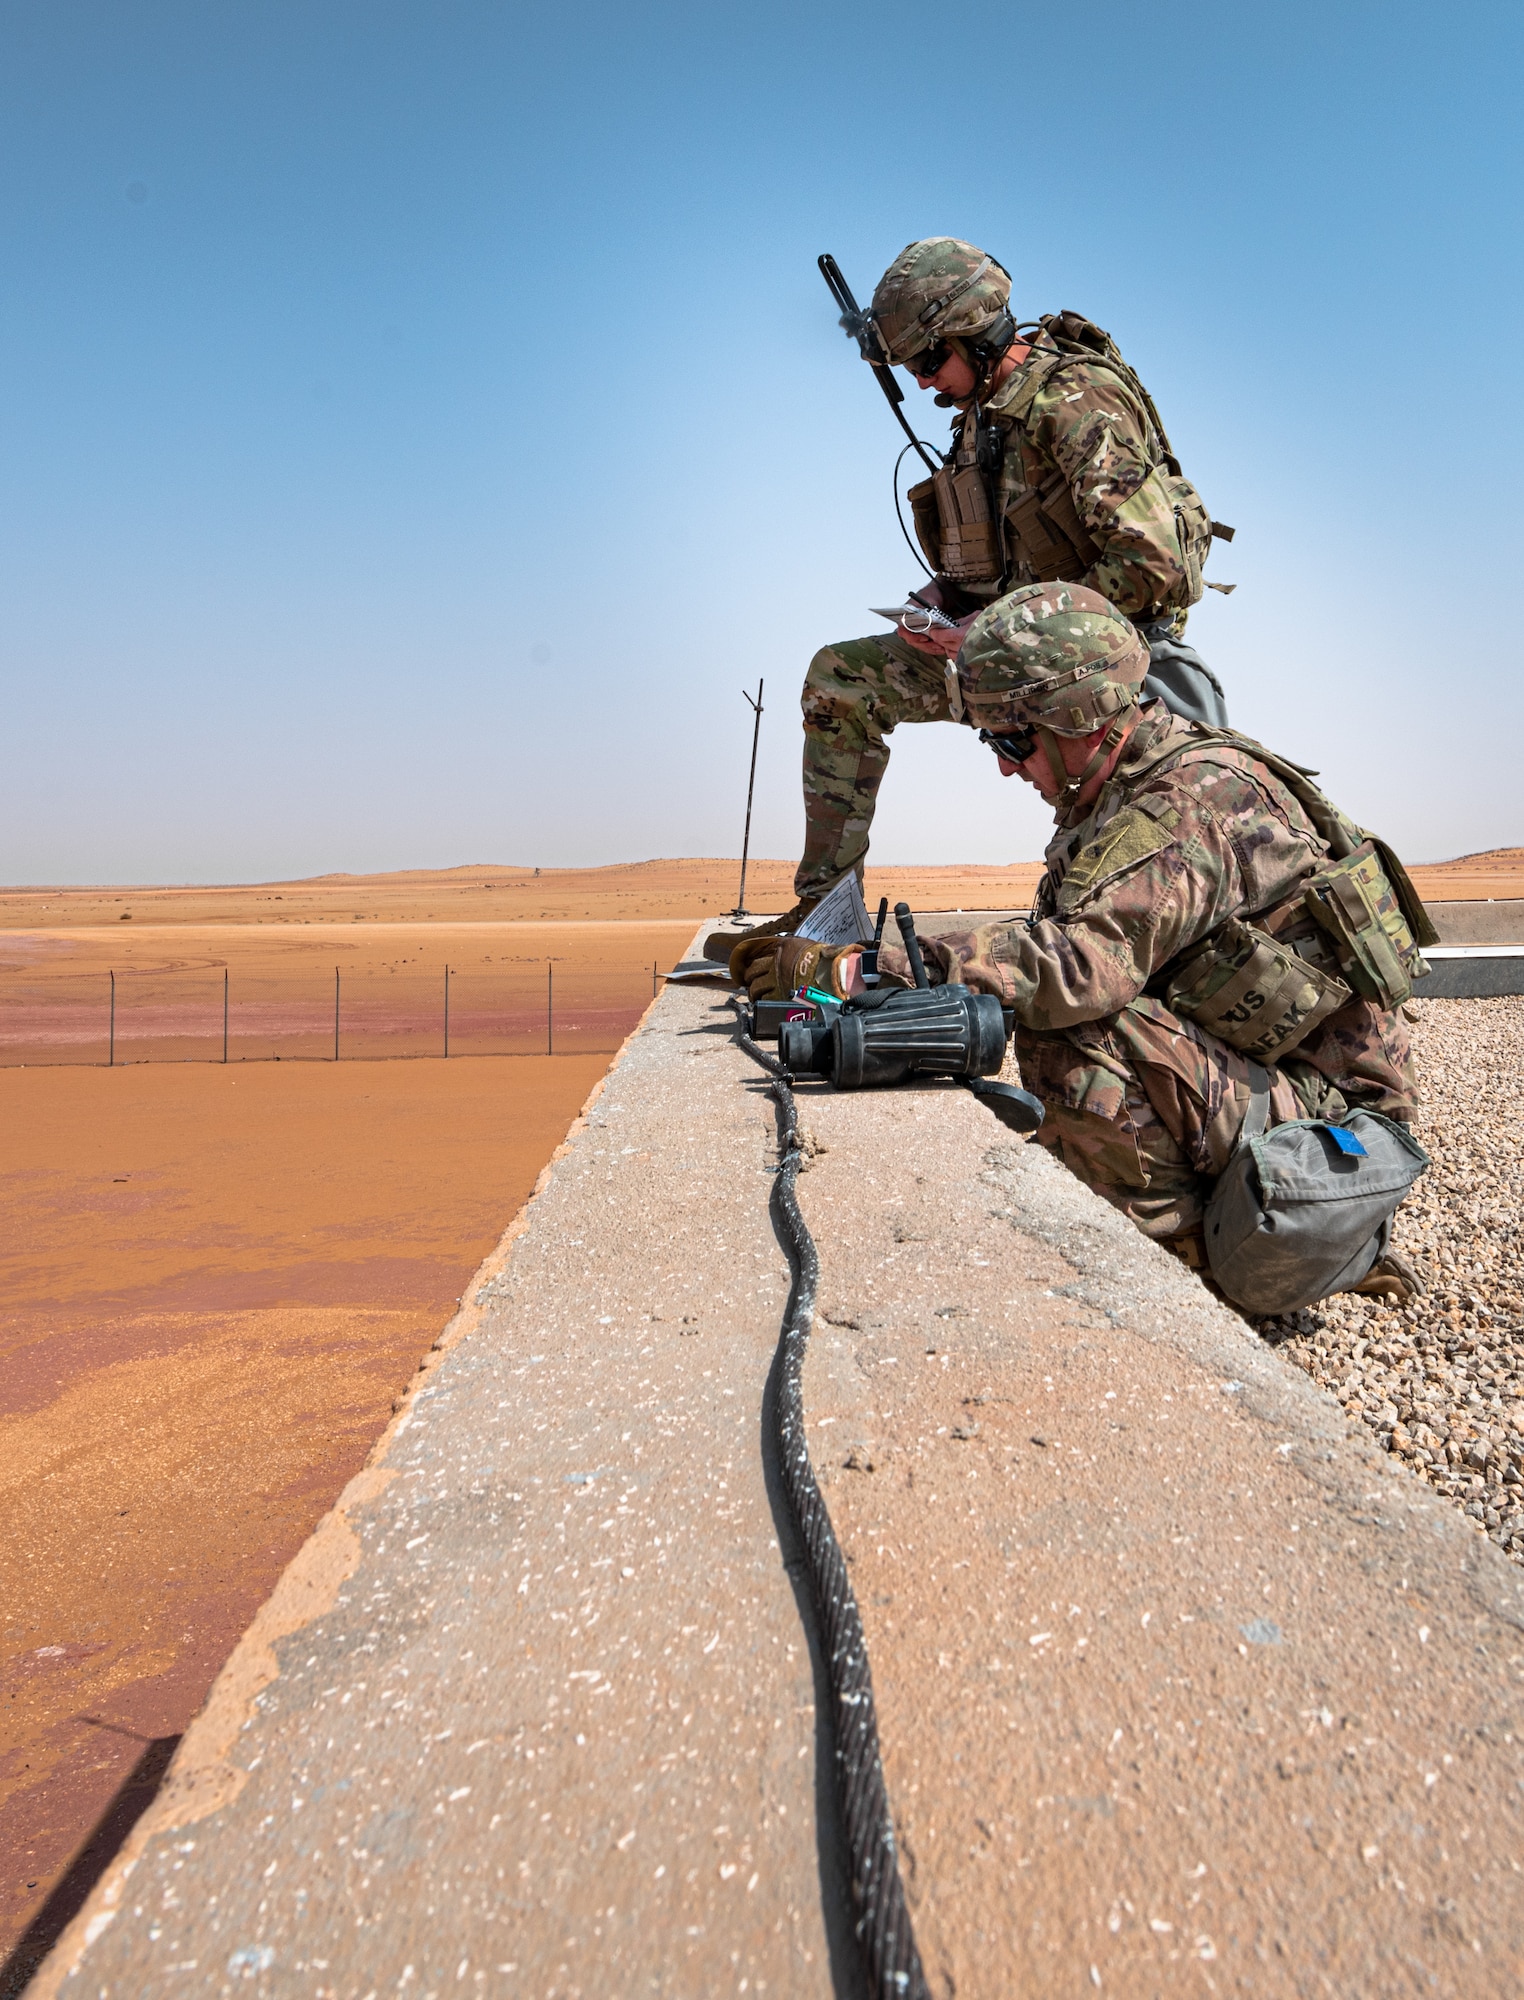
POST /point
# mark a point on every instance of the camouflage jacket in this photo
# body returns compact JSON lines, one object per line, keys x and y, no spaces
{"x":1076,"y":416}
{"x":1164,"y":857}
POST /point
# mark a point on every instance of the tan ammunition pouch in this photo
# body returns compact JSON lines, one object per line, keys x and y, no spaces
{"x":928,"y":521}
{"x":1047,"y":534}
{"x":1252,"y":991}
{"x":955,"y":527}
{"x":1359,"y":908}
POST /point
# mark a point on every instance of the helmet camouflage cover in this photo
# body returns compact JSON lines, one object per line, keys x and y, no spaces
{"x":934,"y":288}
{"x":1051,"y":654}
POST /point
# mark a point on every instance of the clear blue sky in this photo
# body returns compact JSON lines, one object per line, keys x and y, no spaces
{"x":420,"y":420}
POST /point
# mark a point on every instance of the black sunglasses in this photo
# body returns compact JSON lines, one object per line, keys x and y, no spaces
{"x":1016,"y":745}
{"x":930,"y":361}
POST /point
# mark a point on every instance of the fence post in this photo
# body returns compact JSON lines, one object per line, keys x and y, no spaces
{"x":224,"y":1013}
{"x":550,"y":1008}
{"x":653,"y":978}
{"x":111,"y":1040}
{"x":740,"y":909}
{"x":335,"y":1013}
{"x":447,"y":1014}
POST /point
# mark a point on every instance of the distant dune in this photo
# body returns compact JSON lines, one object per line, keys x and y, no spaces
{"x":1495,"y":875}
{"x":640,"y":891}
{"x":636,"y":891}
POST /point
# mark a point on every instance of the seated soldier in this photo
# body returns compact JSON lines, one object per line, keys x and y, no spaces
{"x":1173,"y":840}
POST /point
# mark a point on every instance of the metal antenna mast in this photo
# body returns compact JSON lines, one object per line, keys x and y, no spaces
{"x":740,"y":909}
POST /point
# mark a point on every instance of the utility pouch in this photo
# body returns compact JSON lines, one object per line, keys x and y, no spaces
{"x":1193,"y":531}
{"x":1355,"y":903}
{"x":970,"y":542}
{"x":1052,"y":541}
{"x":1408,"y":900}
{"x":1252,"y":991}
{"x":1058,"y":505}
{"x":1303,"y":1210}
{"x":928,"y":521}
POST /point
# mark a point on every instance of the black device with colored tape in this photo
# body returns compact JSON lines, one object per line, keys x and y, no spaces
{"x":891,"y":1033}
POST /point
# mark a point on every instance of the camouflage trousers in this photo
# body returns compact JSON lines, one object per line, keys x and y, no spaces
{"x":854,"y":694}
{"x":1146,"y":1108}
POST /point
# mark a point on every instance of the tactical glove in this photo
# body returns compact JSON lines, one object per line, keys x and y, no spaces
{"x":776,"y":968}
{"x":966,"y":958}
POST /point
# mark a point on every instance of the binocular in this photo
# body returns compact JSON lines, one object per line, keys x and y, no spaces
{"x":890,"y":1033}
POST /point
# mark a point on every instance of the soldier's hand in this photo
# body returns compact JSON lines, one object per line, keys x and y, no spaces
{"x":894,"y":965}
{"x":753,"y":958}
{"x":776,"y":968}
{"x":964,"y":959}
{"x":942,"y":641}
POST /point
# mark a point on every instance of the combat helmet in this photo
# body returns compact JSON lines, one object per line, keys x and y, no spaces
{"x":943,"y":289}
{"x":1051,"y":660}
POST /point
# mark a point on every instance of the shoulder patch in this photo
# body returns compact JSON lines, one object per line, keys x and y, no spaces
{"x":1131,"y":837}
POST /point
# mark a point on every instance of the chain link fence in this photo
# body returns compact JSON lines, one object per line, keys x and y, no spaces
{"x":212,"y":1013}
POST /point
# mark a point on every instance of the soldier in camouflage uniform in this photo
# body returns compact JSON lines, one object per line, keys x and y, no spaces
{"x":1176,"y":843}
{"x":1058,"y":467}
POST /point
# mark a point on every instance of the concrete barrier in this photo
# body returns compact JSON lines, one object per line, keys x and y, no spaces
{"x":1177,"y":1678}
{"x":1471,"y":972}
{"x":1479,"y":922}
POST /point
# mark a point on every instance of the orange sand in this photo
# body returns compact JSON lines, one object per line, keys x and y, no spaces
{"x":1496,"y":876}
{"x":217,"y":1281}
{"x":55,"y":991}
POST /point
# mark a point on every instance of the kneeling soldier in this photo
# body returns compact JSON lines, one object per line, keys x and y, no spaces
{"x":1208,"y":920}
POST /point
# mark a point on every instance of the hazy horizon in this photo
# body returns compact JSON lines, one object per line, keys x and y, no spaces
{"x":756,"y":861}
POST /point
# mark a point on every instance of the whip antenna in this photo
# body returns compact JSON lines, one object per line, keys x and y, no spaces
{"x":859,"y":326}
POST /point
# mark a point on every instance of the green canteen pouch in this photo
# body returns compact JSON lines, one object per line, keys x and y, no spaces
{"x":1354,"y":902}
{"x":1408,"y":899}
{"x":1252,"y":991}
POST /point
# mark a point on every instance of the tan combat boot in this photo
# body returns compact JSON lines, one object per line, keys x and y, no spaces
{"x":720,"y":944}
{"x":1391,"y":1279}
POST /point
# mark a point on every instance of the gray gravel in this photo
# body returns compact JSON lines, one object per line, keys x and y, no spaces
{"x":1440,"y":1382}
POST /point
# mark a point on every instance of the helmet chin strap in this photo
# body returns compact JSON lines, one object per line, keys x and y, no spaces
{"x":1067,"y":802}
{"x":1057,"y":769}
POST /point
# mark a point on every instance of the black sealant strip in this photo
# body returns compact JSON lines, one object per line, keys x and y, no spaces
{"x":883,"y":1924}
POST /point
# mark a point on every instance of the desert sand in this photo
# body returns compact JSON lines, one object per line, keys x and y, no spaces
{"x":1495,"y":876}
{"x":216,"y":1282}
{"x":55,"y":989}
{"x":218,"y":1278}
{"x":647,"y":891}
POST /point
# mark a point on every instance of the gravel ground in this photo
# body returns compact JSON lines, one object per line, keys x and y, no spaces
{"x":1440,"y":1382}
